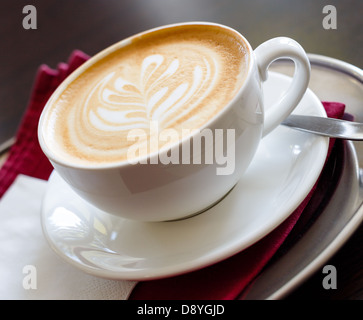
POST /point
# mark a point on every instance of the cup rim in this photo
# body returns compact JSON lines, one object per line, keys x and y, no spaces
{"x":54,"y":158}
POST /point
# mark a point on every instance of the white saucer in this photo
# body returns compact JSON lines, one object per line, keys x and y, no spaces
{"x":286,"y":166}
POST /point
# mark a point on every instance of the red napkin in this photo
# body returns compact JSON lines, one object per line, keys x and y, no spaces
{"x":26,"y":156}
{"x":224,"y":280}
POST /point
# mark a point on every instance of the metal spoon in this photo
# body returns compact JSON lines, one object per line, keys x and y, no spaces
{"x":328,"y":127}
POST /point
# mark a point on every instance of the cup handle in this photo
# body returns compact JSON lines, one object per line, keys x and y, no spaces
{"x":270,"y":51}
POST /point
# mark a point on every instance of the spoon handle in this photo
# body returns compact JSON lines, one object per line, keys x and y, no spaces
{"x":328,"y":127}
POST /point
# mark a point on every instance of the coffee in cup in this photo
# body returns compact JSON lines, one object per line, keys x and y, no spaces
{"x":177,"y":78}
{"x":162,"y":125}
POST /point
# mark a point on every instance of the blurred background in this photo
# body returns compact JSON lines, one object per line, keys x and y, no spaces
{"x":92,"y":25}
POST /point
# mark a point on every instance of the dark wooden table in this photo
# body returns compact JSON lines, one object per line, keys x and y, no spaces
{"x":91,"y":25}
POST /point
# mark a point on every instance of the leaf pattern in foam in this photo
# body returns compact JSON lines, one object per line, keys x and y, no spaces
{"x":166,"y":91}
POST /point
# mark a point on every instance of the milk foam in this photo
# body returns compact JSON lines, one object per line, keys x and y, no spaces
{"x":118,"y":104}
{"x":180,"y":79}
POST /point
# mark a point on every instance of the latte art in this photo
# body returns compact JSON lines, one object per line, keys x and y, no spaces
{"x":179,"y":79}
{"x":164,"y":96}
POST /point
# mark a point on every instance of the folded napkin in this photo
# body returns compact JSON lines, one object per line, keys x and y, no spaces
{"x":29,"y":269}
{"x":224,"y":280}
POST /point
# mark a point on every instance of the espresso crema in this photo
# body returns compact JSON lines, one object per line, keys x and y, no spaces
{"x":179,"y":78}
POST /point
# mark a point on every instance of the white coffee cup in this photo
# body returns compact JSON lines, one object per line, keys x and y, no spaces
{"x":155,"y":191}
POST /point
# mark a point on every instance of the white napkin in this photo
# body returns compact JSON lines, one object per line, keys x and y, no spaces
{"x":29,"y":269}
